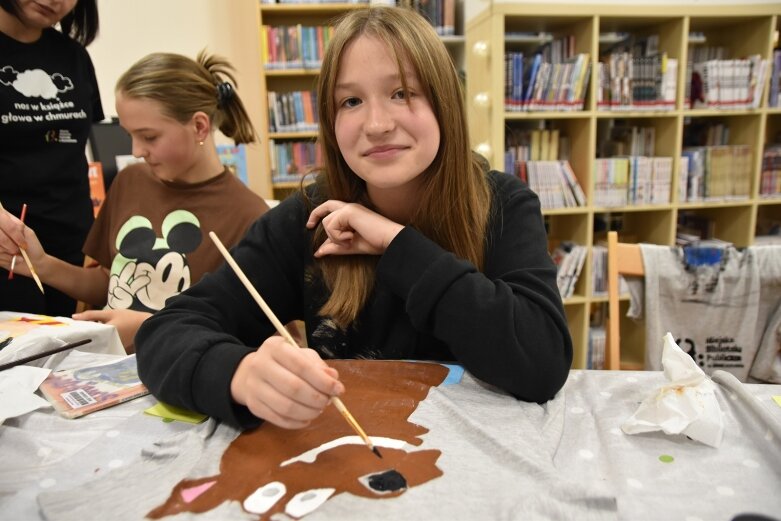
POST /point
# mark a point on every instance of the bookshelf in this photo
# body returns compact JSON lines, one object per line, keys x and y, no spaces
{"x":677,"y":31}
{"x":287,"y":79}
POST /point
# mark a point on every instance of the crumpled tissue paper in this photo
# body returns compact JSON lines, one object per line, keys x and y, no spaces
{"x":686,"y":405}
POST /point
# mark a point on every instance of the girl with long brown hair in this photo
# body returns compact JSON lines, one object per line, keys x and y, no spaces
{"x":405,"y":247}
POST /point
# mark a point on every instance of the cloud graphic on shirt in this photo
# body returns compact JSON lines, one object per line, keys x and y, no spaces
{"x":63,"y":83}
{"x":7,"y":75}
{"x":35,"y":83}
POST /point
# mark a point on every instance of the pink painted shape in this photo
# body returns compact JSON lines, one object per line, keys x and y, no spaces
{"x":190,"y":494}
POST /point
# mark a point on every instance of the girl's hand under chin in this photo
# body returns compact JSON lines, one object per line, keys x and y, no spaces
{"x":352,"y":229}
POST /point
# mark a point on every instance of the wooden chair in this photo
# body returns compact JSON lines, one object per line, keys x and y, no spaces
{"x":623,"y":259}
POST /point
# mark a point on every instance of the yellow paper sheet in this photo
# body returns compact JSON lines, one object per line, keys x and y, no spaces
{"x":171,"y":413}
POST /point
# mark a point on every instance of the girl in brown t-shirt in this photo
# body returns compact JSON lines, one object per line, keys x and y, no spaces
{"x":149,"y":239}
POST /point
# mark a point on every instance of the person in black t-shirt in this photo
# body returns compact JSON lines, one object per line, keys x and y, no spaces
{"x":48,"y":101}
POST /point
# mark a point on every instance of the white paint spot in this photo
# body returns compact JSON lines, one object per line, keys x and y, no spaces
{"x":311,"y":455}
{"x":577,"y":410}
{"x":605,"y":394}
{"x":44,"y":451}
{"x":265,"y":497}
{"x":631,"y":379}
{"x":634,"y":483}
{"x":750,"y":463}
{"x":616,"y":431}
{"x":115,"y":463}
{"x":305,"y":502}
{"x":725,"y":491}
{"x":47,"y":483}
{"x":586,"y":454}
{"x":112,"y":433}
{"x":692,"y":518}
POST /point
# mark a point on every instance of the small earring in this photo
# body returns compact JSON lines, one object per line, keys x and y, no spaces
{"x":200,"y":143}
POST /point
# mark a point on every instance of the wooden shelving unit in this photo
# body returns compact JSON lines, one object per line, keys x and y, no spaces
{"x":742,"y":29}
{"x":294,"y":80}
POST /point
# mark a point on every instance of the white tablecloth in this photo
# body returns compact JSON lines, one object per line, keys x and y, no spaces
{"x":32,"y":334}
{"x":488,"y":442}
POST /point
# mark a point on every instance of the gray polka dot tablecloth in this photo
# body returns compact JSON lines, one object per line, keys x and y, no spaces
{"x":501,"y":459}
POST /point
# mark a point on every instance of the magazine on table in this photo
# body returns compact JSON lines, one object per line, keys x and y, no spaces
{"x":76,"y":392}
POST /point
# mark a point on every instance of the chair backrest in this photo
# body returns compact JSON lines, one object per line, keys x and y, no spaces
{"x":623,"y":259}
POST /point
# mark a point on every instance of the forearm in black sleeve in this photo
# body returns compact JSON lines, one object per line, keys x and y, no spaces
{"x":189,"y":351}
{"x":507,"y":325}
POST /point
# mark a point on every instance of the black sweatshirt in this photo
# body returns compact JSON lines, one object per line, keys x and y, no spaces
{"x":506,"y":325}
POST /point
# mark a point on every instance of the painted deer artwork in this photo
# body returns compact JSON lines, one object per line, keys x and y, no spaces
{"x":270,"y":469}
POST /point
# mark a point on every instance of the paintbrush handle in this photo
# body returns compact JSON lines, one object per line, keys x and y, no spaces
{"x":24,"y":254}
{"x":284,"y":332}
{"x":13,"y":260}
{"x":32,"y":270}
{"x":252,"y":291}
{"x":44,"y":354}
{"x":351,"y":420}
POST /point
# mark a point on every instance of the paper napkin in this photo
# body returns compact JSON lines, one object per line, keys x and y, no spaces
{"x":686,"y":405}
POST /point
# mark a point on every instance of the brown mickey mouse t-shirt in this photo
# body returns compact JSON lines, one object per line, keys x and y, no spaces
{"x":153,"y":235}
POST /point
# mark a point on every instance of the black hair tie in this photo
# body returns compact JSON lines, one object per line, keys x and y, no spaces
{"x":225,"y":93}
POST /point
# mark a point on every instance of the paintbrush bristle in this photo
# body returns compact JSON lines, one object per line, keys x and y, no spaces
{"x":377,"y":452}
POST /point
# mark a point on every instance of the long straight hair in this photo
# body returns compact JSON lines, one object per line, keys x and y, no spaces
{"x":454,"y":201}
{"x":184,"y":86}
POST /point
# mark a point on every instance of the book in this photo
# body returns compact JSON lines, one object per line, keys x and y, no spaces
{"x":532,"y":79}
{"x":97,"y":188}
{"x":572,"y":181}
{"x":569,"y":259}
{"x":234,"y":157}
{"x":76,"y":392}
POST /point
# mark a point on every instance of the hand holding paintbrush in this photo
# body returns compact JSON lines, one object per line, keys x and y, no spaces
{"x":13,"y":260}
{"x":24,"y":255}
{"x":288,"y":338}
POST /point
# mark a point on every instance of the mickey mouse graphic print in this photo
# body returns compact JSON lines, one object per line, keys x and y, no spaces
{"x":153,"y":242}
{"x":148,"y":269}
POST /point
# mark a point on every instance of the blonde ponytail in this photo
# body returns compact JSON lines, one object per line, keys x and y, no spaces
{"x":184,"y":86}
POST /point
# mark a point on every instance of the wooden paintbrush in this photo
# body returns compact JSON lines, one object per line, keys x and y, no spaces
{"x":24,"y":255}
{"x":13,"y":259}
{"x":289,"y":338}
{"x":32,"y":270}
{"x":44,"y":354}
